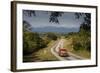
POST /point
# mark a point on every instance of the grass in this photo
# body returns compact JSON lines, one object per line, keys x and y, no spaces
{"x":67,"y":44}
{"x":83,"y":53}
{"x":43,"y":54}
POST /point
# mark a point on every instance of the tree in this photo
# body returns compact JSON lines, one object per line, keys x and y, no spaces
{"x":54,"y":16}
{"x":26,"y":26}
{"x":32,"y":42}
{"x":51,"y":35}
{"x":86,"y":25}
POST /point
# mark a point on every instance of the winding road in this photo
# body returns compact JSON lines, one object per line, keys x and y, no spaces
{"x":55,"y":49}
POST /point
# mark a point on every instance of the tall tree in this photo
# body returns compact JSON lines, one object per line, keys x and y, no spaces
{"x":86,"y":25}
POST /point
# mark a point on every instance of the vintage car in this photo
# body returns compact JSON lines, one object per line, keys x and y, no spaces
{"x":63,"y":53}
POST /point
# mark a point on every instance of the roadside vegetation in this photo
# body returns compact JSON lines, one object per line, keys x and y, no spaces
{"x":42,"y":54}
{"x":79,"y":42}
{"x":36,"y":46}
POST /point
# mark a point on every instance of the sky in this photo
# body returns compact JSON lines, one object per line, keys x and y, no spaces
{"x":67,"y":20}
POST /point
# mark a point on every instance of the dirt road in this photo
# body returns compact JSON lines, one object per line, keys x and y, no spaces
{"x":55,"y":49}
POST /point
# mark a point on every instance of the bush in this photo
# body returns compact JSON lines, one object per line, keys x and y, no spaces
{"x":51,"y":36}
{"x":32,"y":42}
{"x":81,"y":41}
{"x":77,"y":46}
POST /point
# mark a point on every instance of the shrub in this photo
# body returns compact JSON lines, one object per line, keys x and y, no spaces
{"x":32,"y":42}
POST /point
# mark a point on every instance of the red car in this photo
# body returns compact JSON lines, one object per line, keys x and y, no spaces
{"x":63,"y":53}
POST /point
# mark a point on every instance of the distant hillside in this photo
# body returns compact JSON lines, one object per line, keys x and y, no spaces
{"x":55,"y":29}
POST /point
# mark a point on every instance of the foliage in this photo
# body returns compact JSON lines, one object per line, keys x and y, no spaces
{"x":82,"y":41}
{"x":86,"y":25}
{"x":51,"y":35}
{"x":54,"y":16}
{"x":26,"y":26}
{"x":32,"y":42}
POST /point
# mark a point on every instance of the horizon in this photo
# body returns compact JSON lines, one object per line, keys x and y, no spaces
{"x":54,"y":29}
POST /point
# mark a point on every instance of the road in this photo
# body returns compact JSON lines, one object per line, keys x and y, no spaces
{"x":55,"y":49}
